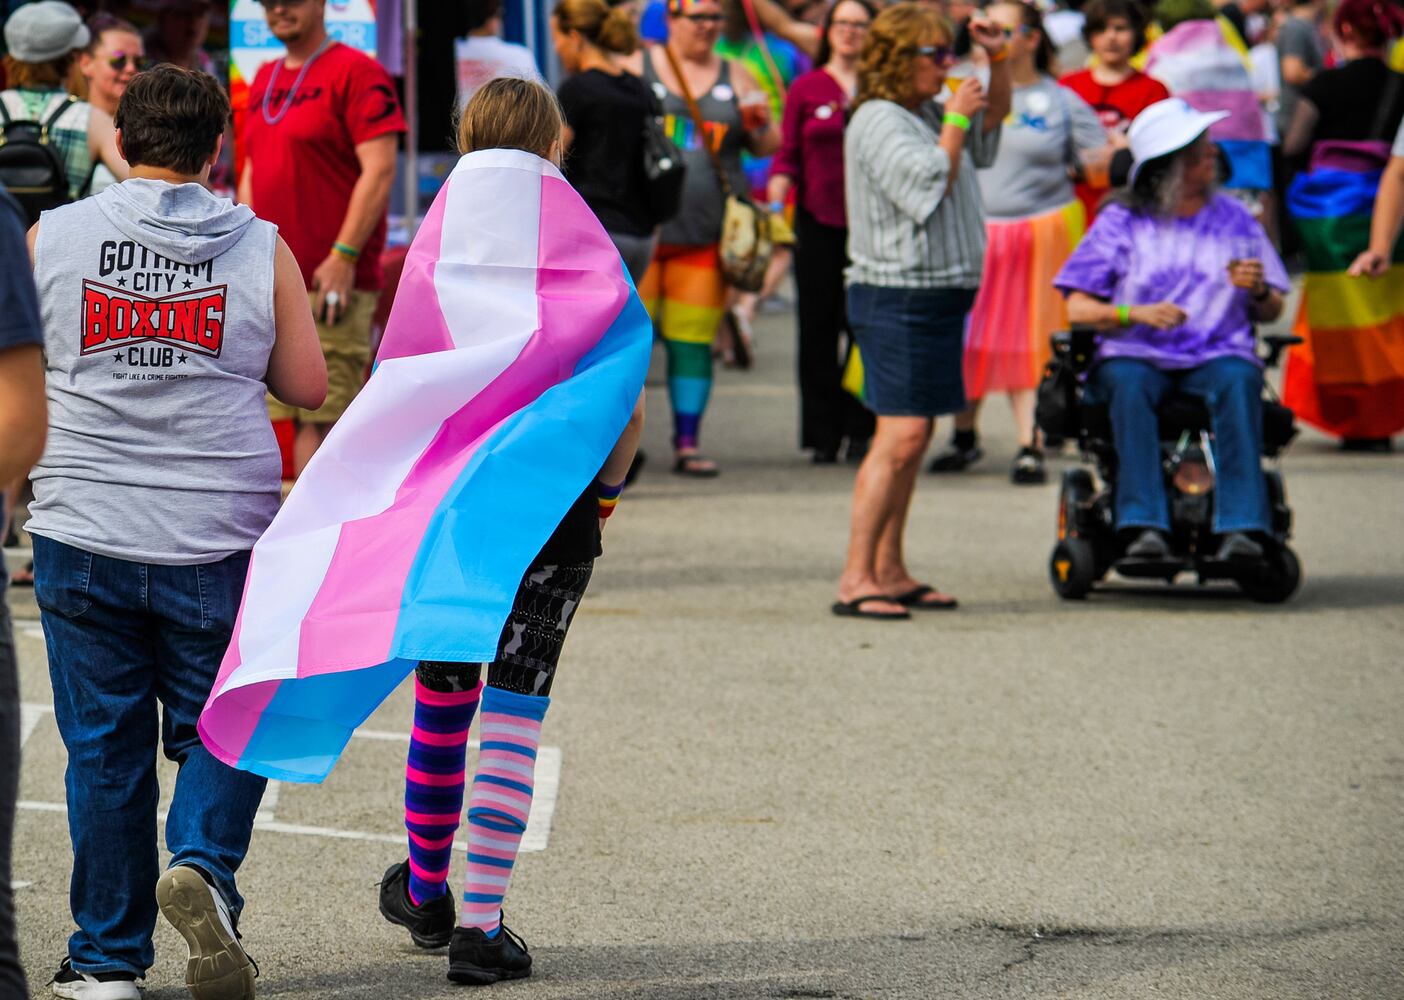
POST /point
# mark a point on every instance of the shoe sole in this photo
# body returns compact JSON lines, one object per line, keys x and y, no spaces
{"x":95,"y":991}
{"x":420,"y":940}
{"x":475,"y":975}
{"x":217,"y":969}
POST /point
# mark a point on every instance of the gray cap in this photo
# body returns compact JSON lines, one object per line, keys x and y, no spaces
{"x":44,"y":30}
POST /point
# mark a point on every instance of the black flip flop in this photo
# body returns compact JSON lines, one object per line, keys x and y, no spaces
{"x":854,"y":609}
{"x":913,"y":599}
{"x":685,"y":465}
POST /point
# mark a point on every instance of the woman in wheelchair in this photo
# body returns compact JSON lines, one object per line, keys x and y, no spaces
{"x":1176,"y":275}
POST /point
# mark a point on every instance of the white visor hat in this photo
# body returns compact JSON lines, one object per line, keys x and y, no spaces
{"x":1167,"y":127}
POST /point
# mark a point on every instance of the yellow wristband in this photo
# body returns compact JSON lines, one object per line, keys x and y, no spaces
{"x":957,"y":119}
{"x":346,"y":252}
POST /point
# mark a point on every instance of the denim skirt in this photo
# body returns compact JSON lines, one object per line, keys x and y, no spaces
{"x":911,"y":341}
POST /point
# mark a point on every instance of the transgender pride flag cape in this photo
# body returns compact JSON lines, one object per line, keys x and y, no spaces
{"x":1205,"y":63}
{"x":513,"y":358}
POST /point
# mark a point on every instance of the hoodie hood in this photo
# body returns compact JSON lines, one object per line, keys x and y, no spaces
{"x":181,"y":221}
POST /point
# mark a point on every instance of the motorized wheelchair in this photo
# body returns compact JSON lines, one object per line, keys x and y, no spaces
{"x":1088,"y":545}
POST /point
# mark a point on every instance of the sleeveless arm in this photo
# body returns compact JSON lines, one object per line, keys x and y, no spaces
{"x":297,"y":371}
{"x":102,"y":144}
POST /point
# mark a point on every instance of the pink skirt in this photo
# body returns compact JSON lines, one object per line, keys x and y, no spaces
{"x":1017,"y":308}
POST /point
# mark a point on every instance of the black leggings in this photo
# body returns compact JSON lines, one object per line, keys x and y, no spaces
{"x":532,"y":637}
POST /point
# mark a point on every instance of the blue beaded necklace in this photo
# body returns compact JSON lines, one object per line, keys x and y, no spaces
{"x":274,"y":119}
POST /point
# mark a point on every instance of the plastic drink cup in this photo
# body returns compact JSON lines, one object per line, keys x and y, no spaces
{"x":1244,"y":251}
{"x":755,"y":111}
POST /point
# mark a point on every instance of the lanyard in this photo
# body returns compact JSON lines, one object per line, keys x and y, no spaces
{"x":274,"y":119}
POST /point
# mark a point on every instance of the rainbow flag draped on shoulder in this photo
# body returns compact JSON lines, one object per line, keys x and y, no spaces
{"x":1205,"y":63}
{"x":513,"y":357}
{"x":1348,"y":378}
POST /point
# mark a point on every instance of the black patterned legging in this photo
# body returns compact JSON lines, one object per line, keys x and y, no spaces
{"x":532,"y":637}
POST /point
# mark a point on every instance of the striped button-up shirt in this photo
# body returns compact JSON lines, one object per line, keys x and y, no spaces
{"x":909,"y":226}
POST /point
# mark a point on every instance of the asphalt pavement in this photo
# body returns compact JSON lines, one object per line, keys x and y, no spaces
{"x":1159,"y":792}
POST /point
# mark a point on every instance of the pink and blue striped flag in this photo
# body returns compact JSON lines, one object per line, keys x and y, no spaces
{"x":1205,"y":62}
{"x":514,"y":355}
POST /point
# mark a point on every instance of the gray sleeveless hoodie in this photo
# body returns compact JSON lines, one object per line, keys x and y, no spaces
{"x":157,"y":301}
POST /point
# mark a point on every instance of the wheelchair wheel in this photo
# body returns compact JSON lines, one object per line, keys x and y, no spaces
{"x":1076,"y":492}
{"x":1072,"y":569}
{"x":1280,"y":582}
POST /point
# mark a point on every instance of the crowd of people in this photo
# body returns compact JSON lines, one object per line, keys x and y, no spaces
{"x":951,"y":183}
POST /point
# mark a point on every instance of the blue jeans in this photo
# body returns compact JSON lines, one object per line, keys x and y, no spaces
{"x":1232,"y":390}
{"x":12,"y":982}
{"x":122,"y":636}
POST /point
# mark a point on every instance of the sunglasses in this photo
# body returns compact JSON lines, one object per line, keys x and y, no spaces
{"x":120,"y":59}
{"x":1023,"y":29}
{"x":936,"y":53}
{"x":271,"y":4}
{"x":704,"y":19}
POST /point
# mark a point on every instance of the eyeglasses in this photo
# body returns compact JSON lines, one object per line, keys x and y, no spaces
{"x":852,"y":25}
{"x":936,"y":53}
{"x":704,"y":19}
{"x":120,"y":59}
{"x":1023,"y":29}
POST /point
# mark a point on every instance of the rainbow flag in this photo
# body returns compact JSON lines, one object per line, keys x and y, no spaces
{"x":512,"y":360}
{"x":1348,"y":378}
{"x":1205,"y":63}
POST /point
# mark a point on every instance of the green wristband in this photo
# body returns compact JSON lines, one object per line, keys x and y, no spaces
{"x":957,"y":119}
{"x":1123,"y":315}
{"x":349,"y":252}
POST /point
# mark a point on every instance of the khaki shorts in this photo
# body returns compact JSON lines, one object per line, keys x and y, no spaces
{"x":346,"y":346}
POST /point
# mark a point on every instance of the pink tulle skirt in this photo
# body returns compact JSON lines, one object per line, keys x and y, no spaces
{"x":1017,"y":307}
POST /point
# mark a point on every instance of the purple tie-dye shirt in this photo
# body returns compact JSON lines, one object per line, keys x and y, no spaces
{"x":1137,"y":259}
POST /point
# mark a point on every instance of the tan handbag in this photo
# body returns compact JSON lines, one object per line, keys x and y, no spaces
{"x":746,"y":245}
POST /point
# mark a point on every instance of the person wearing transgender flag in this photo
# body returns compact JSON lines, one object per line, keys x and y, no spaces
{"x":452,"y":520}
{"x":511,"y":114}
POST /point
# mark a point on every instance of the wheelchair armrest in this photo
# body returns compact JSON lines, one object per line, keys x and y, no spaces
{"x":1082,"y":348}
{"x":1277,"y":343}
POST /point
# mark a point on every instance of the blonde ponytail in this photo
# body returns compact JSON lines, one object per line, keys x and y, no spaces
{"x":610,"y":29}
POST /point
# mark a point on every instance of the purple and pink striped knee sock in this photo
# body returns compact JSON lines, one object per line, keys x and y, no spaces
{"x":500,"y":802}
{"x":434,"y":779}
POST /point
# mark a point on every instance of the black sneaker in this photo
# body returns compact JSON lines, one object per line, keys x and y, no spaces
{"x":1150,"y":545}
{"x":69,"y":982}
{"x":430,"y":924}
{"x":477,"y":960}
{"x":1238,"y":547}
{"x":1028,"y":468}
{"x":956,"y":458}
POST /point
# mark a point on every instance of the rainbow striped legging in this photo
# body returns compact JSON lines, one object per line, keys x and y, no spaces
{"x":685,"y":294}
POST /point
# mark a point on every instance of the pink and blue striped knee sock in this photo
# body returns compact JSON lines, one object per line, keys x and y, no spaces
{"x":500,"y":802}
{"x":434,"y":778}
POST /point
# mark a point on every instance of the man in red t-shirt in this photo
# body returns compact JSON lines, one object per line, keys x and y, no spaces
{"x":1115,"y":31}
{"x":320,"y":141}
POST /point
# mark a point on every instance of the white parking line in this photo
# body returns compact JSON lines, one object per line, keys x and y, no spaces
{"x":268,"y":806}
{"x":30,"y":714}
{"x":20,"y":885}
{"x":536,"y":837}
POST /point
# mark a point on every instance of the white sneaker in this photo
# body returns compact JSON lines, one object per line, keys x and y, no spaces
{"x":218,"y":969}
{"x":69,"y":982}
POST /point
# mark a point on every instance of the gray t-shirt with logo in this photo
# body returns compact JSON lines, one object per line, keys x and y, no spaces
{"x":1047,"y":127}
{"x":157,"y":306}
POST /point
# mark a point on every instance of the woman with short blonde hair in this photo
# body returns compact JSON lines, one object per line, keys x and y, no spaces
{"x":505,"y":114}
{"x":917,"y":244}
